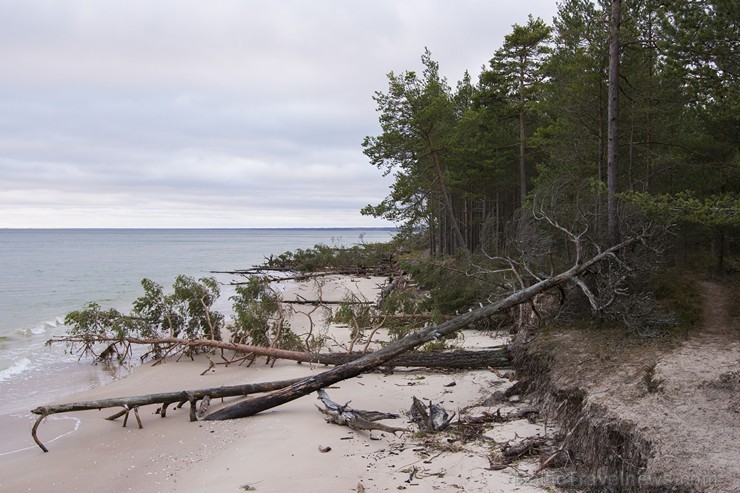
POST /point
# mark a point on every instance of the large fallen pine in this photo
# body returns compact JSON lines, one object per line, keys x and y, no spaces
{"x":307,"y":385}
{"x":468,"y":359}
{"x":254,"y":405}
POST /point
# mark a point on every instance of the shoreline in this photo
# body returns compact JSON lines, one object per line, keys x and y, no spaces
{"x":277,"y":450}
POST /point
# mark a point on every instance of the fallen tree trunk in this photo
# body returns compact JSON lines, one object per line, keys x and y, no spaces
{"x":254,"y":405}
{"x":449,"y":360}
{"x":307,"y":276}
{"x":163,"y":398}
{"x":325,"y":302}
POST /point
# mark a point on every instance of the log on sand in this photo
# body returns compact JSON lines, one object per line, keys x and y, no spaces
{"x":447,"y":360}
{"x":164,"y":398}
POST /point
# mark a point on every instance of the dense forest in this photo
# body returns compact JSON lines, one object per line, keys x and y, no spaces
{"x":618,"y":114}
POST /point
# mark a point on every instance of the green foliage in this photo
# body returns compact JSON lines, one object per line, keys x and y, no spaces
{"x":440,"y":345}
{"x":92,"y":321}
{"x":260,"y":319}
{"x":158,"y":312}
{"x":450,"y":290}
{"x":357,"y":316}
{"x":417,"y":117}
{"x":717,"y":216}
{"x":714,"y":210}
{"x":195,"y":299}
{"x":516,"y":67}
{"x":401,"y":301}
{"x":701,"y":44}
{"x":186,"y":313}
{"x":324,"y":257}
{"x":678,"y":294}
{"x":678,"y":118}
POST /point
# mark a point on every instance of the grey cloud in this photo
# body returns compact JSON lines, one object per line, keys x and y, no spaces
{"x":201,"y":113}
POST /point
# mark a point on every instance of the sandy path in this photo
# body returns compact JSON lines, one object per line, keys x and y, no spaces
{"x":696,"y":416}
{"x":691,"y":416}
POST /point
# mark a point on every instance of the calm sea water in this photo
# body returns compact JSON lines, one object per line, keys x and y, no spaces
{"x":45,"y":274}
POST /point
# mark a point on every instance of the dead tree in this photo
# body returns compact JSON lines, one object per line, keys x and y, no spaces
{"x":164,"y":398}
{"x":291,"y":390}
{"x":453,"y":360}
{"x":254,"y":405}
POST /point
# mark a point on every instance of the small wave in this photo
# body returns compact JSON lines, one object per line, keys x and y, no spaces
{"x":42,"y":328}
{"x":33,"y":331}
{"x":18,"y":367}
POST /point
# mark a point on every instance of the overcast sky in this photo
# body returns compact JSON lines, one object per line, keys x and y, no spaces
{"x":227,"y":113}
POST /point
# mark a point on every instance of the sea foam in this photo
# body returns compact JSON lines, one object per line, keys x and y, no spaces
{"x":16,"y":368}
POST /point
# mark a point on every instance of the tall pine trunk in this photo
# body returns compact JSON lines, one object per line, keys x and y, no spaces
{"x":613,"y":121}
{"x":458,"y":238}
{"x":522,"y":135}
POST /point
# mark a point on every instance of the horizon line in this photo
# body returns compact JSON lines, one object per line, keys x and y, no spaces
{"x":201,"y":229}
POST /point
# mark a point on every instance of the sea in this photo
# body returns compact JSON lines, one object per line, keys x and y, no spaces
{"x":47,"y":273}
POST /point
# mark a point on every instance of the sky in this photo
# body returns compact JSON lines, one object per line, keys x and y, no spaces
{"x":227,"y":113}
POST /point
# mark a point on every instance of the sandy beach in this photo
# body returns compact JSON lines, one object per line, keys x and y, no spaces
{"x":288,"y":448}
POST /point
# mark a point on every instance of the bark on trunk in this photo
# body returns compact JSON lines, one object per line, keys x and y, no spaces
{"x":522,"y":136}
{"x":459,"y":239}
{"x":612,"y":169}
{"x":165,"y":397}
{"x":452,"y":360}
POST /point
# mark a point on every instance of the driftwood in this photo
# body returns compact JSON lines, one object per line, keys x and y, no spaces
{"x":304,"y":276}
{"x":165,"y":399}
{"x":528,"y":413}
{"x":447,"y":360}
{"x":525,"y":447}
{"x":357,"y":419}
{"x":389,"y":288}
{"x":511,"y":453}
{"x":431,"y":418}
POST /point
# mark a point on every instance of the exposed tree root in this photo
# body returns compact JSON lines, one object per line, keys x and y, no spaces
{"x":357,"y":419}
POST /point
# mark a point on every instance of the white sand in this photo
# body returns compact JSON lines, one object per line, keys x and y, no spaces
{"x":275,"y":451}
